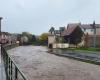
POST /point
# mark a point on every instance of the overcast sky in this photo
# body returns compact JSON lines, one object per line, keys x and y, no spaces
{"x":37,"y":16}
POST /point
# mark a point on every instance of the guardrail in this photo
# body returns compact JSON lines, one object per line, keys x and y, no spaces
{"x":10,"y":46}
{"x":11,"y":69}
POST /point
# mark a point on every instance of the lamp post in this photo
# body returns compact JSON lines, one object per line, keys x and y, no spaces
{"x":0,"y":24}
{"x":0,"y":29}
{"x":94,"y":37}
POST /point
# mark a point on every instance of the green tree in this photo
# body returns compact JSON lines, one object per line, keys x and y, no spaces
{"x":44,"y":38}
{"x":75,"y":37}
{"x":28,"y":35}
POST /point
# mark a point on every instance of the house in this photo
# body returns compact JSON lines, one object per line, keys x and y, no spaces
{"x":8,"y":38}
{"x":88,"y":37}
{"x":70,"y":28}
{"x":87,"y":40}
{"x":89,"y":34}
{"x":70,"y":32}
{"x":54,"y":38}
{"x":4,"y":37}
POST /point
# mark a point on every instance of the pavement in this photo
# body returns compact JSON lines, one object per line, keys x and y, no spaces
{"x":37,"y":64}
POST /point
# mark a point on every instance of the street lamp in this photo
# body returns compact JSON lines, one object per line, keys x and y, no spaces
{"x":0,"y":29}
{"x":94,"y":37}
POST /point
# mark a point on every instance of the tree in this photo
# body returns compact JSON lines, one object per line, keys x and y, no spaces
{"x":33,"y":38}
{"x":44,"y":38}
{"x":27,"y":34}
{"x":24,"y":39}
{"x":75,"y":37}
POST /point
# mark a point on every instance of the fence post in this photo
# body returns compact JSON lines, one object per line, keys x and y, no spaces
{"x":16,"y":74}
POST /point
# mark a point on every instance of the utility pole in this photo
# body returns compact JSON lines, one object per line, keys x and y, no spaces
{"x":2,"y":76}
{"x":0,"y":24}
{"x":94,"y":35}
{"x":0,"y":29}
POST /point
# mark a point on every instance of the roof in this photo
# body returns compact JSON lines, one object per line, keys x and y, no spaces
{"x":62,"y":29}
{"x":51,"y":29}
{"x":73,"y":24}
{"x":97,"y":25}
{"x":5,"y":33}
{"x":57,"y":31}
{"x":70,"y":29}
{"x":88,"y":26}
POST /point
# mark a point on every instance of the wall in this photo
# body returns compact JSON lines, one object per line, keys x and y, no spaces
{"x":98,"y":31}
{"x":60,"y":45}
{"x":51,"y":39}
{"x":97,"y":41}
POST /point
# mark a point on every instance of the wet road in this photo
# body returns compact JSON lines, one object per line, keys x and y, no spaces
{"x":37,"y":64}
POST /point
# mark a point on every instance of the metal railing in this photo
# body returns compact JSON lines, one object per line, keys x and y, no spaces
{"x":11,"y":69}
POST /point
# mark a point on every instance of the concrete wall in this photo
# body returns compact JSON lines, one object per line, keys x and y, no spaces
{"x":98,"y":31}
{"x":89,"y":31}
{"x":51,"y":39}
{"x":60,"y":45}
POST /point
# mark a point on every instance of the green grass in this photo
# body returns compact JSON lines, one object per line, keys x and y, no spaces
{"x":88,"y":50}
{"x":85,"y":50}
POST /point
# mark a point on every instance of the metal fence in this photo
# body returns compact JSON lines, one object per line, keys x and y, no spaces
{"x":11,"y":69}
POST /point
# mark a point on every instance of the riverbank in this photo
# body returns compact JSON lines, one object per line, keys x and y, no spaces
{"x":87,"y":56}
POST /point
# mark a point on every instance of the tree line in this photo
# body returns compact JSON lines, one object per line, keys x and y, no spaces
{"x":28,"y":38}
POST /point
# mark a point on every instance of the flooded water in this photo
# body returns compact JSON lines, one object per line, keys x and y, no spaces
{"x":37,"y":64}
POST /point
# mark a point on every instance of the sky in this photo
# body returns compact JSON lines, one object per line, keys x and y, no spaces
{"x":38,"y":16}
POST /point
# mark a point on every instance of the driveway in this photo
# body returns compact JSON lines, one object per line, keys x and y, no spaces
{"x":37,"y":64}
